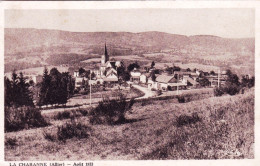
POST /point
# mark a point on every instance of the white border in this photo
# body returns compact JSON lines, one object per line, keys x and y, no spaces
{"x":141,"y":4}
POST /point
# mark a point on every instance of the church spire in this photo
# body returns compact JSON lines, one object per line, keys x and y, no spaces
{"x":106,"y":54}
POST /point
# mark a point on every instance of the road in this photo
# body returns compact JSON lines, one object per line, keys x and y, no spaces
{"x":148,"y":93}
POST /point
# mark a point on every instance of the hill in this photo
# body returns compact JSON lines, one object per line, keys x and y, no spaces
{"x":37,"y":45}
{"x":212,"y":128}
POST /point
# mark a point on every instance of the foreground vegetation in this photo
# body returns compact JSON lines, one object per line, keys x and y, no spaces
{"x":213,"y":128}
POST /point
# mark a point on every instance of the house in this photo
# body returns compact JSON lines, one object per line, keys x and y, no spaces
{"x":79,"y":82}
{"x":189,"y":81}
{"x":181,"y":74}
{"x":37,"y":79}
{"x":163,"y":81}
{"x":194,"y":75}
{"x":144,"y":77}
{"x":76,"y":73}
{"x":217,"y":79}
{"x":166,"y":82}
{"x":111,"y":76}
{"x":177,"y":86}
{"x":135,"y":76}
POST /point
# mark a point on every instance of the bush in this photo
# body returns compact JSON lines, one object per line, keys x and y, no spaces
{"x":11,"y":142}
{"x":49,"y":136}
{"x":229,"y":88}
{"x":186,"y":119}
{"x":83,"y":112}
{"x":73,"y":129}
{"x":181,"y":99}
{"x":19,"y":118}
{"x":62,"y":115}
{"x":111,"y":111}
{"x":218,"y":92}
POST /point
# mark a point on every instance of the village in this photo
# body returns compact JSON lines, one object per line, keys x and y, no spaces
{"x":109,"y":77}
{"x":149,"y":77}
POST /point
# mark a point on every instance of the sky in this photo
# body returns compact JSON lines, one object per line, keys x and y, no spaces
{"x":230,"y":23}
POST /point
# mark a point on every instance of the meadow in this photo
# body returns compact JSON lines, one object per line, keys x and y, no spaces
{"x":211,"y":128}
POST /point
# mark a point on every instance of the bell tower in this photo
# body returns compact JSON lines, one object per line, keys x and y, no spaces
{"x":105,"y":57}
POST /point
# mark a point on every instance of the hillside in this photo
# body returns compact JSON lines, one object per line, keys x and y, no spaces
{"x":37,"y":45}
{"x":219,"y":128}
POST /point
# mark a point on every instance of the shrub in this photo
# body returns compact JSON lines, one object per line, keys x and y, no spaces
{"x":218,"y":92}
{"x":111,"y":111}
{"x":18,"y":118}
{"x":232,"y":89}
{"x":83,"y":112}
{"x":186,"y":119}
{"x":11,"y":142}
{"x":229,"y":88}
{"x":62,"y":115}
{"x":181,"y":99}
{"x":49,"y":136}
{"x":73,"y":129}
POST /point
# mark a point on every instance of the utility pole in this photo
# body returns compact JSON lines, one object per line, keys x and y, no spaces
{"x":218,"y":76}
{"x":178,"y":85}
{"x":90,"y":89}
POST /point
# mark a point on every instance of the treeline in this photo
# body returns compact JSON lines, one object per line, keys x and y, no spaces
{"x":17,"y":91}
{"x":20,"y":111}
{"x":56,"y":87}
{"x":233,"y":85}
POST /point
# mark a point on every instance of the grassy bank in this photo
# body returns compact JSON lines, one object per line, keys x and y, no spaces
{"x":212,"y":128}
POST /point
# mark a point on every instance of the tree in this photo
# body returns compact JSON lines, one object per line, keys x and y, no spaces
{"x":17,"y":91}
{"x":247,"y":82}
{"x":44,"y":94}
{"x":81,"y":71}
{"x":232,"y":78}
{"x":64,"y":88}
{"x":8,"y":92}
{"x":152,"y":64}
{"x":55,"y":85}
{"x":212,"y":72}
{"x":176,"y":68}
{"x":92,"y":75}
{"x":232,"y":85}
{"x":153,"y":76}
{"x":87,"y":74}
{"x":24,"y":94}
{"x":126,"y":76}
{"x":14,"y":88}
{"x":204,"y":82}
{"x":132,"y":66}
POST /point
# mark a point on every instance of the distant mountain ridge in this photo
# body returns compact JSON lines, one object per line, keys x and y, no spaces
{"x":17,"y":38}
{"x":26,"y":48}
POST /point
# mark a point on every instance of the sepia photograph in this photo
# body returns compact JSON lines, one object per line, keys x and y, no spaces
{"x":129,"y":84}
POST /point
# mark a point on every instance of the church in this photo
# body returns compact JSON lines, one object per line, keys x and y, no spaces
{"x":107,"y":71}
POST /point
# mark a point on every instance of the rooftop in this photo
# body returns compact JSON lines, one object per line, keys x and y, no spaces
{"x":165,"y":79}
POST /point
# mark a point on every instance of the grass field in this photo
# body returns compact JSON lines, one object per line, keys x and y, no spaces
{"x":212,"y":128}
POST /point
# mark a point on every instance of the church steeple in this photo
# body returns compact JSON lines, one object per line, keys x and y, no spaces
{"x":106,"y":54}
